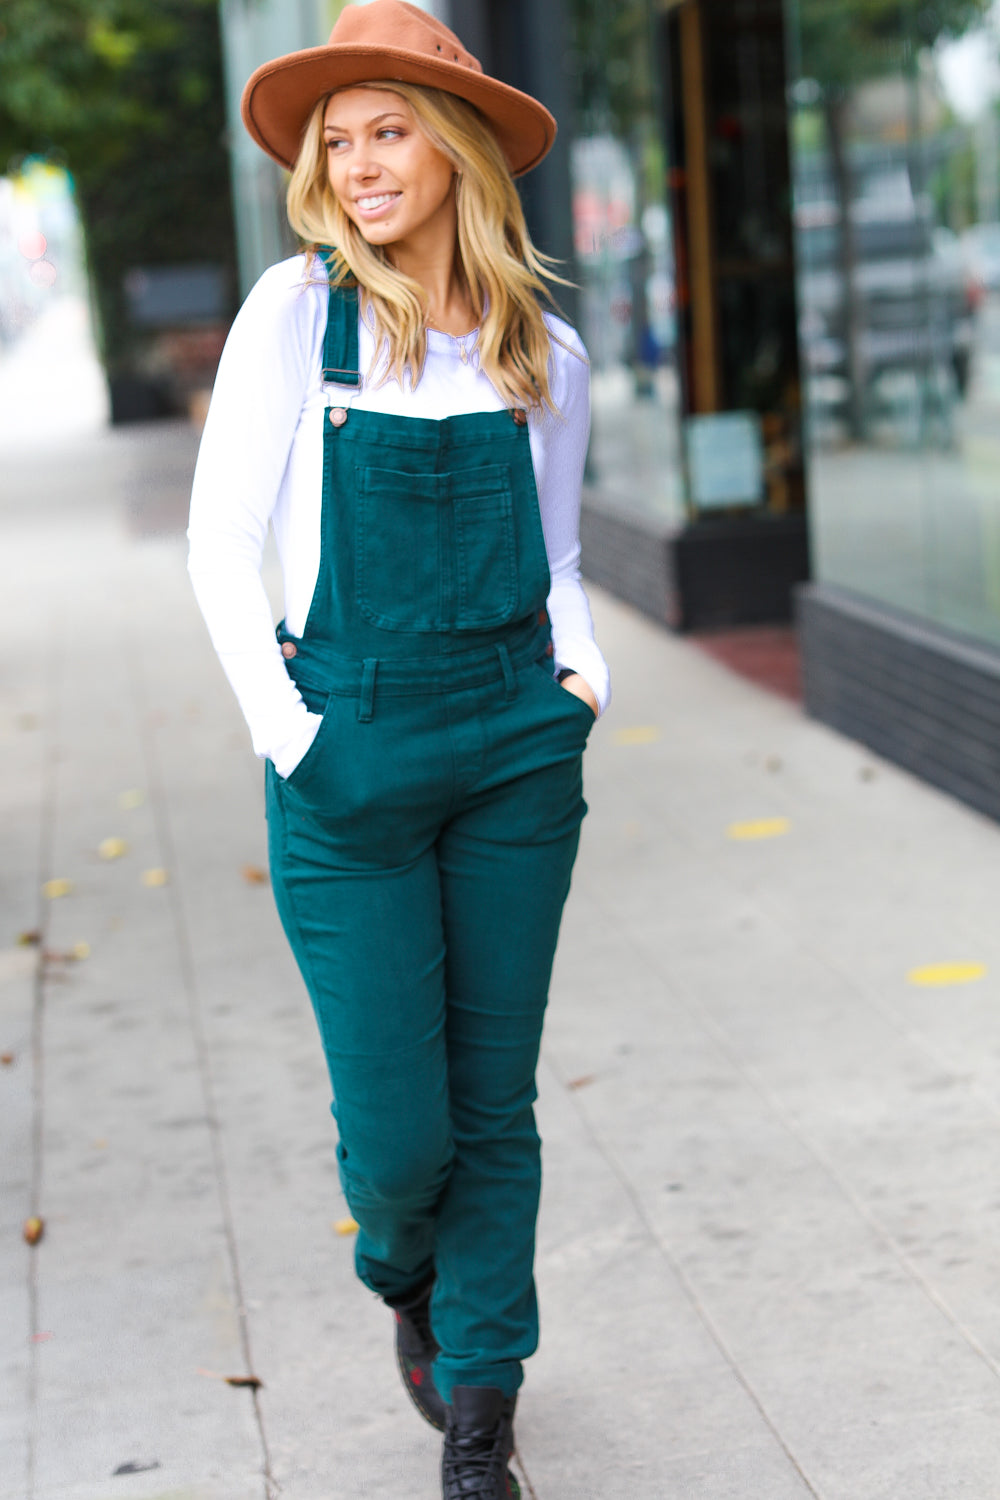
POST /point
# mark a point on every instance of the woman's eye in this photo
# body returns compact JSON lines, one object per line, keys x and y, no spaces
{"x":333,"y":141}
{"x":389,"y":132}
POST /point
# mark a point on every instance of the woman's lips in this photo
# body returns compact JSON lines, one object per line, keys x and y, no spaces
{"x":373,"y":204}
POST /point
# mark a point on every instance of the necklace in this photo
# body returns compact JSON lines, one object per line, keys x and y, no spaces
{"x":458,"y":338}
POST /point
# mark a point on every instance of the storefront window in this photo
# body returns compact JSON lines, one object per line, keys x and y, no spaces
{"x":624,"y":260}
{"x":896,"y":171}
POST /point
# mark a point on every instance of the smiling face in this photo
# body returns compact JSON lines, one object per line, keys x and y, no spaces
{"x":387,"y":176}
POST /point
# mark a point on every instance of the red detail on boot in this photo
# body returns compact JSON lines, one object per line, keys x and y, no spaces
{"x":417,"y":1376}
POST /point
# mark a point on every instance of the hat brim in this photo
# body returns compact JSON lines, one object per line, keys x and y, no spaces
{"x":280,"y":96}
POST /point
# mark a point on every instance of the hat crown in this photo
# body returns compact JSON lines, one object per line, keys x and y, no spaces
{"x":395,"y":24}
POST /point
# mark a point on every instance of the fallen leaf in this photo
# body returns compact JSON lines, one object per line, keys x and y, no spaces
{"x":154,"y":877}
{"x":131,"y":799}
{"x":640,"y":734}
{"x":758,"y":828}
{"x":6,"y":1058}
{"x":112,"y":848}
{"x":581,"y":1083}
{"x":247,"y":1380}
{"x":80,"y":951}
{"x":938,"y":975}
{"x":27,"y":721}
{"x":254,"y":875}
{"x":42,"y":1338}
{"x":345,"y":1226}
{"x":28,"y":939}
{"x":53,"y":889}
{"x":134,"y":1467}
{"x":33,"y":1230}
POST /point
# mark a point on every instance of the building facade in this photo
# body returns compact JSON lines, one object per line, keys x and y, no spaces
{"x":782,"y":219}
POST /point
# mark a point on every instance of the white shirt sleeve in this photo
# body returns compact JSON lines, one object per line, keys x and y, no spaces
{"x":559,"y":452}
{"x":266,"y":368}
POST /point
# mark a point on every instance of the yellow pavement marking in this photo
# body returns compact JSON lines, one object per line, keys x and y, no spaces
{"x":639,"y":734}
{"x":759,"y":828}
{"x":942,"y":974}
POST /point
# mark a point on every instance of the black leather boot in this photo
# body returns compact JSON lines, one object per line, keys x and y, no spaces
{"x":416,"y":1349}
{"x":478,"y":1442}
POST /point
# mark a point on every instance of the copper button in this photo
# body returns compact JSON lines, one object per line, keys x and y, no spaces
{"x":338,"y":415}
{"x":520,"y":415}
{"x":543,"y":618}
{"x":550,"y":649}
{"x":289,"y":649}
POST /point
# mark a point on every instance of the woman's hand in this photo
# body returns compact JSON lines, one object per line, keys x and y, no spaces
{"x":580,"y":688}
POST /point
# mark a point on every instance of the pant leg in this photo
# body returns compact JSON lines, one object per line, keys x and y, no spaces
{"x":505,"y":864}
{"x":369,"y":942}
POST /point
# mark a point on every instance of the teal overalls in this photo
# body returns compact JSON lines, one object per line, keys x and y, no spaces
{"x":421,"y":851}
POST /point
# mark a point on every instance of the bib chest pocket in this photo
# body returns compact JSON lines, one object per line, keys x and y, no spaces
{"x":436,"y":552}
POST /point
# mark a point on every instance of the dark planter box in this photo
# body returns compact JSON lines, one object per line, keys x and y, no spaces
{"x":920,"y":695}
{"x":709,"y":574}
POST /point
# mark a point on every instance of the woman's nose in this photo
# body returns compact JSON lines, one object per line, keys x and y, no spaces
{"x":363,"y":169}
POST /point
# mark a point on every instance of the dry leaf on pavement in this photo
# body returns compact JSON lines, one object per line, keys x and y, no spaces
{"x":53,"y":889}
{"x":112,"y":848}
{"x":154,"y":877}
{"x":33,"y":1230}
{"x":254,"y":875}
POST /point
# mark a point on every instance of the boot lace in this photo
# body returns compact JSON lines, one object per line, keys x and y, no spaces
{"x":474,"y":1465}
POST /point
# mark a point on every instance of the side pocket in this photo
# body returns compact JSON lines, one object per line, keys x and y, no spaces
{"x":568,"y":699}
{"x":305,"y":771}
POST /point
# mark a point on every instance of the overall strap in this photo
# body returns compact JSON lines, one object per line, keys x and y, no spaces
{"x":340,"y":346}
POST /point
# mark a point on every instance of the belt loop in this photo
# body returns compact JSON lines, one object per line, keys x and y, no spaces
{"x":366,"y":703}
{"x":509,"y":680}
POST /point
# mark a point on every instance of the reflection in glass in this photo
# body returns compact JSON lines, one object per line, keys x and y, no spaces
{"x":623,"y":250}
{"x":896,"y":167}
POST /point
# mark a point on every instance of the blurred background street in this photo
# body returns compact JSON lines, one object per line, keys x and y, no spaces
{"x":770,"y":1087}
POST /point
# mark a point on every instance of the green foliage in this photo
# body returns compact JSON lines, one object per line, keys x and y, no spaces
{"x":128,"y":93}
{"x":611,"y":44}
{"x":846,"y":41}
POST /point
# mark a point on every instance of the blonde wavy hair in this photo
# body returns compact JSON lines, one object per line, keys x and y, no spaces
{"x":504,"y":272}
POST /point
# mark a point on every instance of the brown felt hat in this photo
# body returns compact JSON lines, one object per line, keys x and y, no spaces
{"x":390,"y":40}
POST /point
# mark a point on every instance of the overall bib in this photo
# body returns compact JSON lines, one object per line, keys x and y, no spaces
{"x":421,"y":851}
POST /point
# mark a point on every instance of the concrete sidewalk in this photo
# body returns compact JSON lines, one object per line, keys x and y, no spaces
{"x":768,"y":1257}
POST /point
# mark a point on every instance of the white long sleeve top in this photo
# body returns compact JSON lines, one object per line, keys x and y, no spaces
{"x":261,"y":463}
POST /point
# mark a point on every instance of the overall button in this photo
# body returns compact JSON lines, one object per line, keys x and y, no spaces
{"x":289,"y":649}
{"x":550,"y":650}
{"x":520,"y":415}
{"x":543,"y":618}
{"x":338,"y":415}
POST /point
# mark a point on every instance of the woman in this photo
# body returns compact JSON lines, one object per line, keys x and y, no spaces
{"x":397,"y":406}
